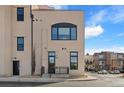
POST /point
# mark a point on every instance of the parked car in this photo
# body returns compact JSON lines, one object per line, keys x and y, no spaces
{"x":114,"y":72}
{"x":102,"y":72}
{"x":121,"y":71}
{"x":111,"y":72}
{"x":99,"y":72}
{"x":92,"y":69}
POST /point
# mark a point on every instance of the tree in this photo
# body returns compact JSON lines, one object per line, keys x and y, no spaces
{"x":87,"y":54}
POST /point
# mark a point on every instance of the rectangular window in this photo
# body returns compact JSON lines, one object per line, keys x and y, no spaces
{"x":51,"y":53}
{"x":51,"y":62}
{"x":73,"y":60}
{"x":54,"y":33}
{"x":73,"y":33}
{"x":20,"y":14}
{"x":20,"y":43}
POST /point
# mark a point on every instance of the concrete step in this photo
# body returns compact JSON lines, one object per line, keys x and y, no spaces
{"x":55,"y":76}
{"x":59,"y":75}
{"x":46,"y":76}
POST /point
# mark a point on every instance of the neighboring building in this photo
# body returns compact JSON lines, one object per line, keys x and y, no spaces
{"x":102,"y":60}
{"x":108,"y":60}
{"x":89,"y":63}
{"x":117,"y":61}
{"x":15,"y":38}
{"x":58,"y":41}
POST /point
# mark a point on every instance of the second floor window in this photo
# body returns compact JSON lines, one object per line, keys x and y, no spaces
{"x":20,"y":14}
{"x":64,"y":31}
{"x":20,"y":43}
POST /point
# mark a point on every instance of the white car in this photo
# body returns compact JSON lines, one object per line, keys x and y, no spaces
{"x":99,"y":72}
{"x":114,"y":72}
{"x":102,"y":72}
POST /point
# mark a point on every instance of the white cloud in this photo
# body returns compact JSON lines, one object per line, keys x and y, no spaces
{"x":93,"y":25}
{"x":117,"y":17}
{"x":59,"y":6}
{"x":117,"y":49}
{"x":97,"y":18}
{"x":121,"y":34}
{"x":93,"y":31}
{"x":116,"y":14}
{"x":113,"y":14}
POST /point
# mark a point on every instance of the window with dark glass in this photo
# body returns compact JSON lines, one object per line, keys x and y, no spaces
{"x":51,"y":53}
{"x":64,"y":31}
{"x":73,"y":33}
{"x":74,"y":60}
{"x":51,"y":61}
{"x":20,"y":43}
{"x":54,"y":33}
{"x":20,"y":13}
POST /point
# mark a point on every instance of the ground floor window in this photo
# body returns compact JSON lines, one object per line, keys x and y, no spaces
{"x":73,"y":60}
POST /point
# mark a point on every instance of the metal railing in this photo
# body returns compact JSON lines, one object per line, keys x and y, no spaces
{"x":61,"y":70}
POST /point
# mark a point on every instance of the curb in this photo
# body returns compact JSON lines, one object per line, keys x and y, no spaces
{"x":30,"y":80}
{"x":46,"y":79}
{"x":82,"y":79}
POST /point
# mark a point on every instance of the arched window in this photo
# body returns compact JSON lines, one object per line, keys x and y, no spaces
{"x":64,"y":31}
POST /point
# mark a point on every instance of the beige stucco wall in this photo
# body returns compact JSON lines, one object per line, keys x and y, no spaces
{"x":43,"y":42}
{"x":42,"y":7}
{"x":5,"y":40}
{"x":22,"y":28}
{"x":10,"y":28}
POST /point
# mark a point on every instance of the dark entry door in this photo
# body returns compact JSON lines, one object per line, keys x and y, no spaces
{"x":15,"y":67}
{"x":51,"y":62}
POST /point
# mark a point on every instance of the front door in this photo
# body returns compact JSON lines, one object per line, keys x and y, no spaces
{"x":51,"y":62}
{"x":15,"y":67}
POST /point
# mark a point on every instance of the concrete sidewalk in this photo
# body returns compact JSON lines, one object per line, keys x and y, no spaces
{"x":29,"y":79}
{"x":82,"y":78}
{"x":40,"y":79}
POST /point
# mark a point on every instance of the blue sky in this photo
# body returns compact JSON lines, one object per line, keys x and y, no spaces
{"x":104,"y":27}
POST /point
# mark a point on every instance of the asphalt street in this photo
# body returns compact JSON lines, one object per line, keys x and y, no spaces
{"x":22,"y":84}
{"x":109,"y":80}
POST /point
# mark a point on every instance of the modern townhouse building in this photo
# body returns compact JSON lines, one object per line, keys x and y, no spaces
{"x":102,"y":60}
{"x":109,"y":60}
{"x":117,"y":61}
{"x":15,"y":38}
{"x":41,"y":40}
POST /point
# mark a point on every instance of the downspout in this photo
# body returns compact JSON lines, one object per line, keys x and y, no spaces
{"x":31,"y":16}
